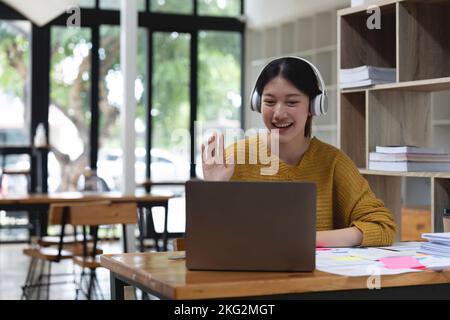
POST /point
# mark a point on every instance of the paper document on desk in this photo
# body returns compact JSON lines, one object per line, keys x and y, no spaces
{"x":435,"y":263}
{"x":376,"y":254}
{"x":376,"y":269}
{"x":443,"y":237}
{"x":404,"y":246}
{"x":338,"y":257}
{"x":358,"y":262}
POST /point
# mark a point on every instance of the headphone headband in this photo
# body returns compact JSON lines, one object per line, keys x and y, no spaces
{"x":318,"y":105}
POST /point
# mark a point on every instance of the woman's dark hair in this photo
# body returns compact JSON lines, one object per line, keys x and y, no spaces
{"x":297,"y":72}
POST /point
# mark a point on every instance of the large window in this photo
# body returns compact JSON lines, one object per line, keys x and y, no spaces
{"x":220,"y":97}
{"x":172,"y":6}
{"x":14,"y":79}
{"x":14,"y":101}
{"x":69,"y":110}
{"x":189,"y":69}
{"x":109,"y":164}
{"x":15,"y":50}
{"x":87,"y":3}
{"x":170,"y":107}
{"x":219,"y":7}
{"x":115,"y":4}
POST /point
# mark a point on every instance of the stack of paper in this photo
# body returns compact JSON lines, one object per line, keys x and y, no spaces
{"x":438,"y":244}
{"x":408,"y":158}
{"x":357,"y":262}
{"x":402,"y":257}
{"x":366,"y":76}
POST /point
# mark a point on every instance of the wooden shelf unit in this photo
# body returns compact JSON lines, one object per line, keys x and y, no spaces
{"x":414,"y":39}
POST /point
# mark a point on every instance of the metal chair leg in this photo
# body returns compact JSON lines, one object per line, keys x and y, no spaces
{"x":49,"y":279}
{"x":79,"y":285}
{"x":91,"y":284}
{"x":29,"y":278}
{"x":41,"y":274}
{"x":98,"y":287}
{"x":33,"y":280}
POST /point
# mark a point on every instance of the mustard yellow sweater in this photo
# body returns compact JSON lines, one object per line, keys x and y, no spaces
{"x":344,"y":198}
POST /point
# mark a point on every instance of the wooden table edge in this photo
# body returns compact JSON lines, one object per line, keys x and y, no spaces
{"x":233,"y":289}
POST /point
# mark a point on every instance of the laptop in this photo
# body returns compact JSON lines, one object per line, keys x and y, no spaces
{"x":250,"y":226}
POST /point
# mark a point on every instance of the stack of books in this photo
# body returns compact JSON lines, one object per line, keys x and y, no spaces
{"x":438,"y":244}
{"x":409,"y":158}
{"x":366,"y":76}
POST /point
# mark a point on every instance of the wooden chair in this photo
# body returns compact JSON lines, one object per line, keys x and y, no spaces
{"x":56,"y":250}
{"x":92,"y":216}
{"x":48,"y":252}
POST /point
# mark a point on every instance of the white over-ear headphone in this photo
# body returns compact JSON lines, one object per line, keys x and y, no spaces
{"x":318,"y":105}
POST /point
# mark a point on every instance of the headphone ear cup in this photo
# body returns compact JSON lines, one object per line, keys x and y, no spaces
{"x":315,"y":106}
{"x":324,"y":104}
{"x":319,"y":105}
{"x":255,"y":103}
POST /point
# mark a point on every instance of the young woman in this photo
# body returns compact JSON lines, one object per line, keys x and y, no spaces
{"x":286,"y":93}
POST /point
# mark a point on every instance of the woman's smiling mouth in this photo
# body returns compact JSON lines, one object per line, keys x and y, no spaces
{"x":283,"y":125}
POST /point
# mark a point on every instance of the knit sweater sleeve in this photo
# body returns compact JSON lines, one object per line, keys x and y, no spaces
{"x":357,"y":206}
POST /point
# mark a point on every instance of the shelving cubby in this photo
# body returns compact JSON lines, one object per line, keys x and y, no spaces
{"x":414,"y":110}
{"x":424,"y":41}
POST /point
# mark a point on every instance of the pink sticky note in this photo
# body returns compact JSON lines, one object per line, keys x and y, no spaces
{"x":323,"y":249}
{"x":402,"y":263}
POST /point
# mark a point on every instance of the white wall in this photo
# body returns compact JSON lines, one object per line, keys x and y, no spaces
{"x":261,"y":13}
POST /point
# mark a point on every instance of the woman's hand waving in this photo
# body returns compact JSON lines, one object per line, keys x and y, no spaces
{"x":215,"y":166}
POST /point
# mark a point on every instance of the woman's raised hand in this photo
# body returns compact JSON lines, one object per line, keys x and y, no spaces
{"x":215,"y":166}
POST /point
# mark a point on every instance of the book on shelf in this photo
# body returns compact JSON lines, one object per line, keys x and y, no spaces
{"x":411,"y":157}
{"x":409,"y":149}
{"x":362,"y":83}
{"x":355,"y":75}
{"x":409,"y":166}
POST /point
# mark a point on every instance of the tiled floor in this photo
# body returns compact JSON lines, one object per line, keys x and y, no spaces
{"x":14,"y":265}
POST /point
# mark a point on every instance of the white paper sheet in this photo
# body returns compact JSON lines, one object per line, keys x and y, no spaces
{"x":364,"y":270}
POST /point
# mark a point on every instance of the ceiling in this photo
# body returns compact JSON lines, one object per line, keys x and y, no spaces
{"x":262,"y":13}
{"x":41,"y":11}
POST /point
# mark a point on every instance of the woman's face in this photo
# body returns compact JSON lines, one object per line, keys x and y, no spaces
{"x":285,"y":108}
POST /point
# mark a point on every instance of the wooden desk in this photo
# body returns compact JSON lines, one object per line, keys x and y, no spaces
{"x":39,"y":204}
{"x":148,"y":184}
{"x":154,"y":273}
